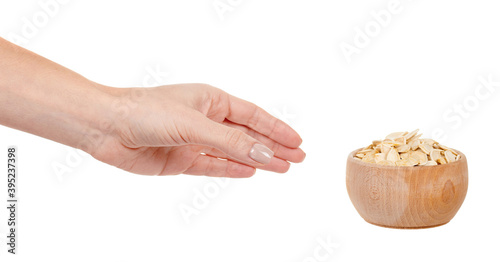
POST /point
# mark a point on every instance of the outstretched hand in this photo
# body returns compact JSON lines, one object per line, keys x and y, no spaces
{"x":190,"y":128}
{"x":199,"y":130}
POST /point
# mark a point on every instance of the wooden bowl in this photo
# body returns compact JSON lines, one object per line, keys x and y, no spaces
{"x":407,"y":197}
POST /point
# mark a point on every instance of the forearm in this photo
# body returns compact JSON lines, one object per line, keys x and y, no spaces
{"x":43,"y":98}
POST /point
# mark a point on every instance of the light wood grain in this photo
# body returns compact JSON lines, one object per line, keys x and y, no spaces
{"x":407,"y":197}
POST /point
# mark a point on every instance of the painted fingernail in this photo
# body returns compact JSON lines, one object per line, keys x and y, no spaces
{"x":261,"y":153}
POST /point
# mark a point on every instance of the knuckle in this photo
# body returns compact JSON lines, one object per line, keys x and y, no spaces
{"x":210,"y":166}
{"x":275,"y":123}
{"x":234,"y":138}
{"x":232,"y":168}
{"x":208,"y":88}
{"x":255,"y":117}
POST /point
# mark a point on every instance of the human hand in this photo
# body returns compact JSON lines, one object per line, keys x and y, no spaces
{"x":190,"y":128}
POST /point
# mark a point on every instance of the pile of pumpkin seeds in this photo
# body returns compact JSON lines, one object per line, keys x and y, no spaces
{"x":407,"y":149}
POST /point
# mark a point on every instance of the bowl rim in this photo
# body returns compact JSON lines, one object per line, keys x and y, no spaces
{"x":358,"y":161}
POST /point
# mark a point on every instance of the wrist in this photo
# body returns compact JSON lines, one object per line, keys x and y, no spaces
{"x":101,"y":117}
{"x":109,"y":118}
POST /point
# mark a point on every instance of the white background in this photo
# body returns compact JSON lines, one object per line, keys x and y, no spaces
{"x":286,"y":57}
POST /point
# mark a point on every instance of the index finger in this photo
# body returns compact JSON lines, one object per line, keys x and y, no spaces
{"x":256,"y":118}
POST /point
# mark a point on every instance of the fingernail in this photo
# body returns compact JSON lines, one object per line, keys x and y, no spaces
{"x":261,"y":153}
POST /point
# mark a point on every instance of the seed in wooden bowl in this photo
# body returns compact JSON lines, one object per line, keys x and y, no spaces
{"x":407,"y":149}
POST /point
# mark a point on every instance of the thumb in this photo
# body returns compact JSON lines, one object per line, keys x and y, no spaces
{"x":233,"y":142}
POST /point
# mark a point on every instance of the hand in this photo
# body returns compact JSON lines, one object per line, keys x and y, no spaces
{"x":195,"y":129}
{"x":192,"y":129}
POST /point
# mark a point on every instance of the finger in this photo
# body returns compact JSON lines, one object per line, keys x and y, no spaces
{"x":276,"y":165}
{"x":248,"y":114}
{"x":211,"y":166}
{"x":233,"y":142}
{"x":295,"y":155}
